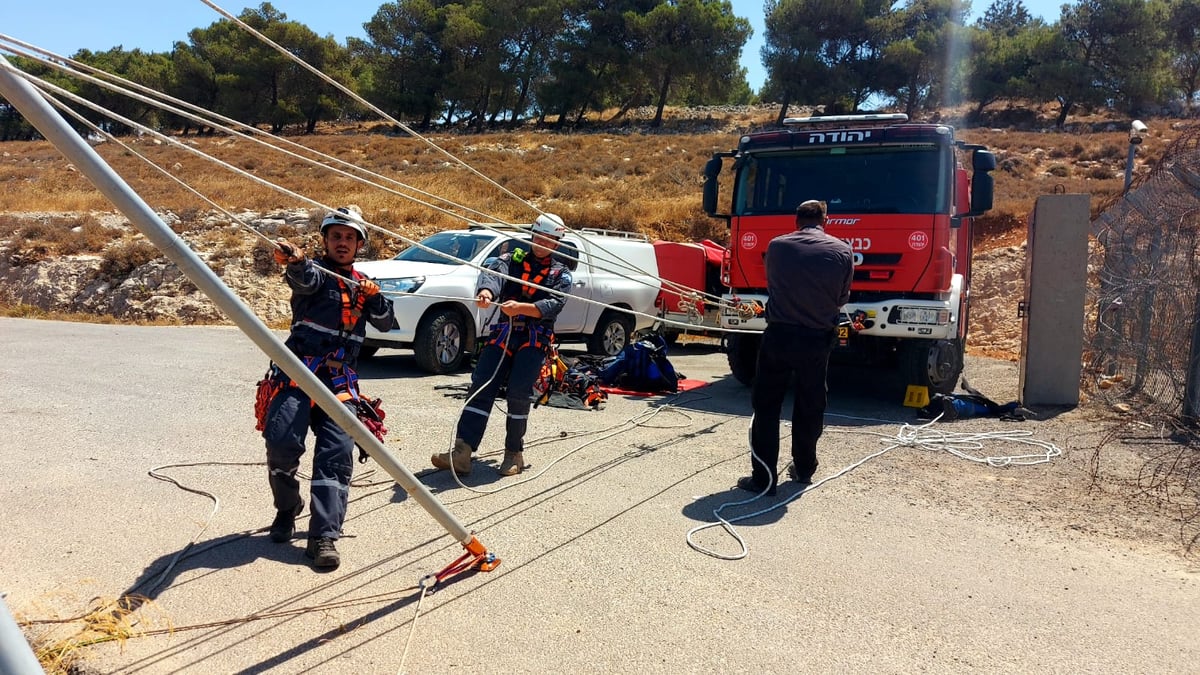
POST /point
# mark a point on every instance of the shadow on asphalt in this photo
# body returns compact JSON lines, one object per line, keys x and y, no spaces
{"x":215,"y":554}
{"x":701,"y":510}
{"x":854,"y":392}
{"x":390,"y":364}
{"x":260,"y":546}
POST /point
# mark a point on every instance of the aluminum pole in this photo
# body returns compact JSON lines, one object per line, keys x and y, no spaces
{"x":42,"y":116}
{"x":16,"y":656}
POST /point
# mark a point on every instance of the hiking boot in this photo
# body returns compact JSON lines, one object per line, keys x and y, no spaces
{"x":748,"y":484}
{"x":284,"y":525}
{"x":323,"y":553}
{"x":513,"y":464}
{"x":459,"y":458}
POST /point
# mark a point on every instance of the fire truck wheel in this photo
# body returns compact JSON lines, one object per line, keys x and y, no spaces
{"x":936,"y":364}
{"x":742,"y":352}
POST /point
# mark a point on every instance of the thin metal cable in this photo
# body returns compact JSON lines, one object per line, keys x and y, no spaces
{"x":49,"y":87}
{"x":246,"y":226}
{"x":362,"y":101}
{"x":370,"y":106}
{"x":608,"y":258}
{"x":123,"y":86}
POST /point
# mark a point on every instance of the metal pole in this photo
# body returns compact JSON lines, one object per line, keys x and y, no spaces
{"x":1191,"y":391}
{"x":16,"y":656}
{"x":1129,"y":165}
{"x":42,"y":116}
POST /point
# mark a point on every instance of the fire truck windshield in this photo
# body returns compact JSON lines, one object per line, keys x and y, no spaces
{"x":910,"y":179}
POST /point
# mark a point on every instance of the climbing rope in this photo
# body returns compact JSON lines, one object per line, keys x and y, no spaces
{"x":921,"y":437}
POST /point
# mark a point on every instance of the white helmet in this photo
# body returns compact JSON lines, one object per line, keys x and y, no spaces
{"x":343,"y":217}
{"x":549,"y":225}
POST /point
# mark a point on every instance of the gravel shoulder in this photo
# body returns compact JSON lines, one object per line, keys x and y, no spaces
{"x":915,"y":560}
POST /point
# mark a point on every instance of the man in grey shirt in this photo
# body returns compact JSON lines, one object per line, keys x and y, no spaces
{"x":808,"y":280}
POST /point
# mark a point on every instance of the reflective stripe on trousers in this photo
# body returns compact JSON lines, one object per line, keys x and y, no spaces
{"x":520,"y":371}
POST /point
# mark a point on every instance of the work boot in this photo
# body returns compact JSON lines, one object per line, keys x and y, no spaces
{"x":459,"y":458}
{"x":513,"y":464}
{"x":284,"y":525}
{"x":323,"y":553}
{"x":795,"y":475}
{"x":748,"y":484}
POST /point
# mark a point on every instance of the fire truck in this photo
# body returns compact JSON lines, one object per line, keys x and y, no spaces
{"x":900,"y":195}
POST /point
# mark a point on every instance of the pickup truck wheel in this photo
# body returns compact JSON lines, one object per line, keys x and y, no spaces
{"x":936,"y":364}
{"x":367,"y":352}
{"x":742,"y":352}
{"x":613,"y":332}
{"x":440,"y":343}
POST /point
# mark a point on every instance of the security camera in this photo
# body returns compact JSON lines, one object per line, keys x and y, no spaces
{"x":1137,"y":131}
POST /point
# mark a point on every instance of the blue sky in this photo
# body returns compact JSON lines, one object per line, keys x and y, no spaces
{"x":65,"y":26}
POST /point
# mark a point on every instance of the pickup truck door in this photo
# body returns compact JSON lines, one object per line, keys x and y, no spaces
{"x":574,"y":315}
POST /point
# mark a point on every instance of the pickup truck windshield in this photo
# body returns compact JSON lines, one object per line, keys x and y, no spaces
{"x":884,"y":179}
{"x":460,"y":245}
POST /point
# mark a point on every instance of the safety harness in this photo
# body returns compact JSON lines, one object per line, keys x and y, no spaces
{"x":540,"y":336}
{"x":529,"y":277}
{"x":342,"y":378}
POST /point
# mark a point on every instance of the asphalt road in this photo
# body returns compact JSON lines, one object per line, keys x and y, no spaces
{"x":862,"y":574}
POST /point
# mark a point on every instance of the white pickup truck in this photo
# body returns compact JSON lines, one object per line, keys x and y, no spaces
{"x":437,"y":318}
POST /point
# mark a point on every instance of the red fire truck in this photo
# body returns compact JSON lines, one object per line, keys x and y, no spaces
{"x":899,"y":194}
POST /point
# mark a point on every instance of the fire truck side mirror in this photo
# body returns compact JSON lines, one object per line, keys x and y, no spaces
{"x":982,"y":184}
{"x":712,"y":169}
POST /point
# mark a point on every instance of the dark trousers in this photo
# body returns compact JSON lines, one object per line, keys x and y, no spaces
{"x":289,"y":418}
{"x":788,"y":350}
{"x":519,"y":371}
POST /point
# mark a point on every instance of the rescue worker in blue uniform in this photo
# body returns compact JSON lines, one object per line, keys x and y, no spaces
{"x":516,"y":347}
{"x":329,"y":317}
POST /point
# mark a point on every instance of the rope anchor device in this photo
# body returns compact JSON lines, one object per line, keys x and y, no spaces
{"x":477,"y":557}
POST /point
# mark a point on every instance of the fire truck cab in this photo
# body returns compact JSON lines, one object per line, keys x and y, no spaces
{"x":899,"y":194}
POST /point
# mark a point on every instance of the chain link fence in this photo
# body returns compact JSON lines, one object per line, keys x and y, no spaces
{"x":1143,"y":349}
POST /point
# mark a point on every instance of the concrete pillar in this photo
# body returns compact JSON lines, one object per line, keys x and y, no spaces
{"x":1056,"y":258}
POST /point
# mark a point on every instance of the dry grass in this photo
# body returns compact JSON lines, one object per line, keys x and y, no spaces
{"x":61,"y":645}
{"x":37,"y":239}
{"x":21,"y":311}
{"x":616,"y":178}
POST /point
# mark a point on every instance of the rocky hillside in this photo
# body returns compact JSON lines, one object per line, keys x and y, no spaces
{"x":137,"y":285}
{"x":62,"y":252}
{"x":151,"y":289}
